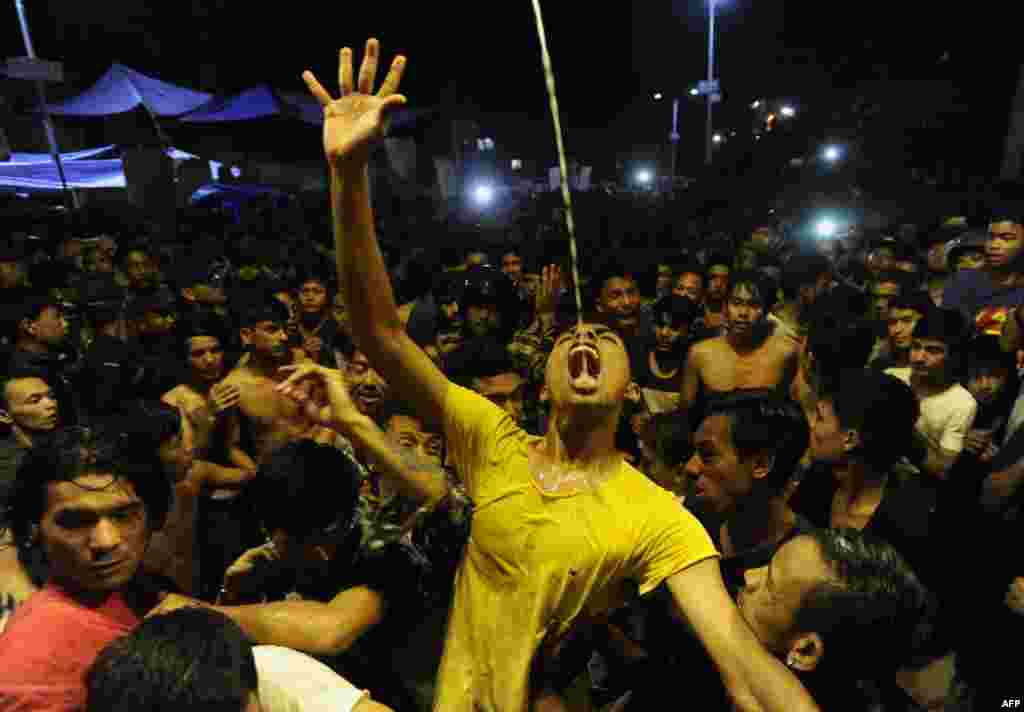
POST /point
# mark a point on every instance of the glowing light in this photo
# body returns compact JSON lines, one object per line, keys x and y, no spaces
{"x":483,"y":194}
{"x":644,"y":176}
{"x":756,"y":105}
{"x":658,"y":96}
{"x":717,"y":138}
{"x":826,"y":228}
{"x":694,"y":92}
{"x":832,"y":153}
{"x":787,"y":111}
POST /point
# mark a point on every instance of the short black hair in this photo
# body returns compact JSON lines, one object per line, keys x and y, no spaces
{"x":398,"y":407}
{"x":802,"y":270}
{"x":761,"y":287}
{"x":201,"y":322}
{"x":149,"y":421}
{"x":688,"y":267}
{"x":76,"y":452}
{"x":717,"y":259}
{"x":674,"y":310}
{"x":839,"y":342}
{"x":481,"y":357}
{"x":882,"y":408}
{"x":1007,"y":211}
{"x":945,"y":325}
{"x":192,"y":658}
{"x":875,"y":596}
{"x":916,"y":301}
{"x":304,"y":487}
{"x":607,"y":270}
{"x":759,"y":423}
{"x":256,"y":308}
{"x":17,"y":375}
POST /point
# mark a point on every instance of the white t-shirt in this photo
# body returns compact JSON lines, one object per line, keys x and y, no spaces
{"x":945,"y":417}
{"x":291,"y":681}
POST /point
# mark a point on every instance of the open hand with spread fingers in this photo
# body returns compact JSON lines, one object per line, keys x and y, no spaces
{"x":355,"y":121}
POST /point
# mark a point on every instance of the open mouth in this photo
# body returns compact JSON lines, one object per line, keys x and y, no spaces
{"x":584,"y":367}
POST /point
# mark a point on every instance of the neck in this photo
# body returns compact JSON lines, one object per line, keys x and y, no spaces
{"x":31,"y":346}
{"x":265,"y":367}
{"x":200,"y":385}
{"x":900,"y":356}
{"x":22,"y":437}
{"x":759,"y":522}
{"x":89,"y":599}
{"x":576,"y":441}
{"x":855,"y":477}
{"x":924,"y":386}
{"x":312,"y":320}
{"x":751,"y":341}
{"x":667,"y":360}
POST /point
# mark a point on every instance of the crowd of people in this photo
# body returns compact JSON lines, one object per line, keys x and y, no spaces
{"x":757,"y":476}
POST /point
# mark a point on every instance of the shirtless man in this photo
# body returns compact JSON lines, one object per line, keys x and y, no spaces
{"x":273,"y":420}
{"x":208,"y":407}
{"x":749,"y":356}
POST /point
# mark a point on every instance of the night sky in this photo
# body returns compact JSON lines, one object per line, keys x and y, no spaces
{"x":609,"y":57}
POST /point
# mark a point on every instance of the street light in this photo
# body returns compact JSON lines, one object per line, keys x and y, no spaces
{"x":717,"y":138}
{"x":644,"y":176}
{"x":756,"y":105}
{"x":658,"y":96}
{"x":711,"y":78}
{"x":788,"y":111}
{"x":826,"y":228}
{"x":832,"y":153}
{"x":694,"y":92}
{"x":483,"y":194}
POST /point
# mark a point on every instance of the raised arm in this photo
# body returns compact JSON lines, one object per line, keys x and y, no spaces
{"x":754,"y":678}
{"x":691,"y":381}
{"x":353,"y":125}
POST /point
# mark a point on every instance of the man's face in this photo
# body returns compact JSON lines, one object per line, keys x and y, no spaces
{"x":158,"y":323}
{"x":1004,"y":243}
{"x":312,"y":297}
{"x":936,"y":291}
{"x":772,"y":595}
{"x":51,"y":328}
{"x":928,"y":359}
{"x":937,"y":258}
{"x":139,"y":269}
{"x":31,"y":404}
{"x":409,"y":432}
{"x":365,"y":385}
{"x":667,"y":336}
{"x":690,"y":285}
{"x":268,"y":340}
{"x":828,"y":439}
{"x":209,"y":295}
{"x":476,"y":259}
{"x":94,"y":532}
{"x":663,"y":285}
{"x":721,"y":479}
{"x":206,"y":358}
{"x":505,"y":390}
{"x":482,"y":319}
{"x":512,"y":265}
{"x":901,"y":327}
{"x":987,"y":382}
{"x":970,"y":259}
{"x":530,"y":283}
{"x":718,"y":283}
{"x":743,"y":311}
{"x":620,"y":299}
{"x":10,"y":273}
{"x":588,"y":369}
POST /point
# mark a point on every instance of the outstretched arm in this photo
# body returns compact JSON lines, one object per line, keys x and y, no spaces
{"x":755,"y":679}
{"x":353,"y":125}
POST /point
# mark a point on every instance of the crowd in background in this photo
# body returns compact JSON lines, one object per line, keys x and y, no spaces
{"x":843,"y":417}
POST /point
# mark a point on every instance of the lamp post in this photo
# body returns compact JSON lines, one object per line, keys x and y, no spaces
{"x":711,"y":78}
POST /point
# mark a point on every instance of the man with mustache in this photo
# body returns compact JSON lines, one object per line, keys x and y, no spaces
{"x":750,"y":355}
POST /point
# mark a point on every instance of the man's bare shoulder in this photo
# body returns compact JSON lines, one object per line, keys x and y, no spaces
{"x":709,"y":346}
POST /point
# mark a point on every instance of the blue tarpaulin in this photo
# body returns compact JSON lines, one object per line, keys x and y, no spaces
{"x":259,"y":102}
{"x":83,"y":169}
{"x":17,"y":158}
{"x":122,"y":89}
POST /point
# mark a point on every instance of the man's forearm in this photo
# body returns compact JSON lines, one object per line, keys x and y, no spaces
{"x":415,"y":477}
{"x":241,"y":459}
{"x":362,"y":274}
{"x":309,"y":626}
{"x":212,"y":475}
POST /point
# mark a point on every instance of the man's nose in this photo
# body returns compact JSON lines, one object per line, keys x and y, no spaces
{"x":105,"y":536}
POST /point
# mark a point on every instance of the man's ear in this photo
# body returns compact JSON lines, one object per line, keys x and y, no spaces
{"x":189,"y":295}
{"x":763,"y":462}
{"x":633,"y":392}
{"x":245,"y":334}
{"x":6,"y":419}
{"x":805,"y":652}
{"x":851,"y":440}
{"x":545,"y":394}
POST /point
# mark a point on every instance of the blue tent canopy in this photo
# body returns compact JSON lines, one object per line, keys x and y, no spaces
{"x":19,"y":158}
{"x":122,"y":89}
{"x":43,"y":176}
{"x":258,"y":102}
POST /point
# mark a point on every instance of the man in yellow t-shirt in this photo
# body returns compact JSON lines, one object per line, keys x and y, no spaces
{"x":561,"y":523}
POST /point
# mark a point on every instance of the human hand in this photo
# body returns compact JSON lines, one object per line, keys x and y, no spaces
{"x":355,"y":121}
{"x":977,"y":441}
{"x":343,"y":411}
{"x":1015,"y":596}
{"x":249,"y":562}
{"x":312,"y":345}
{"x":548,"y":291}
{"x":224,"y":396}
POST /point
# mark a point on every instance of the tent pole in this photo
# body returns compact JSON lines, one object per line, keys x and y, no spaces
{"x":51,"y":135}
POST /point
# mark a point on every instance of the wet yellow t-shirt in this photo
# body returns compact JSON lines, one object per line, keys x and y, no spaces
{"x":536,"y":561}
